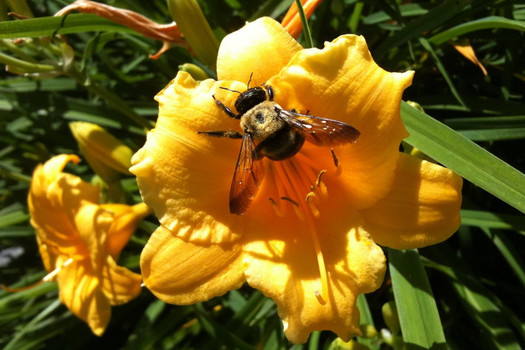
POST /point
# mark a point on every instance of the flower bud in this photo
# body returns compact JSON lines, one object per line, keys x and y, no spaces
{"x":196,"y":30}
{"x":390,"y":316}
{"x":105,"y":154}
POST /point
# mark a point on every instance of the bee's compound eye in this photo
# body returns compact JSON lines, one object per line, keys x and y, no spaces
{"x":260,"y":118}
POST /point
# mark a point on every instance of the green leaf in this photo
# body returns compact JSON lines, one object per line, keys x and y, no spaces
{"x":418,"y":314}
{"x":433,"y":18}
{"x":496,"y":322}
{"x":491,"y":22}
{"x":490,"y":220}
{"x":464,"y":157}
{"x":48,"y":26}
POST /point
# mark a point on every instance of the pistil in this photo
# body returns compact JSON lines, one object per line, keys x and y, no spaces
{"x":299,"y":184}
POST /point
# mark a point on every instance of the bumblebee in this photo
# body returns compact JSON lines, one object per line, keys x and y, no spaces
{"x":273,"y":132}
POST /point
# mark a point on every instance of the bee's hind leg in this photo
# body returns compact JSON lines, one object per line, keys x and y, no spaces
{"x":232,"y":134}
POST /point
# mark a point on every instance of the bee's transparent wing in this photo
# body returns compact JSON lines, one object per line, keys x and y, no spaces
{"x":247,"y":177}
{"x":320,"y":131}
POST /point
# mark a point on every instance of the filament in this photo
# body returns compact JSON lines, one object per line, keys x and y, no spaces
{"x":46,"y":278}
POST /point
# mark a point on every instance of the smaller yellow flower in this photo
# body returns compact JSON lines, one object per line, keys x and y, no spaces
{"x":79,"y":241}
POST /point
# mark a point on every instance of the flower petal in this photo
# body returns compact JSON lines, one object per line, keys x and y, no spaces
{"x":261,"y":47}
{"x":53,"y":200}
{"x":178,"y":272}
{"x":343,"y":82}
{"x":80,"y":291}
{"x":421,"y":209}
{"x":120,"y":285}
{"x":185,"y":176}
{"x":125,"y":221}
{"x":282,"y":264}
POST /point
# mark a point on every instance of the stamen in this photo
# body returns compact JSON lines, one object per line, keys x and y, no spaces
{"x":46,"y":278}
{"x":309,"y":199}
{"x":275,"y":207}
{"x":295,"y":207}
{"x":319,"y":183}
{"x":322,"y":294}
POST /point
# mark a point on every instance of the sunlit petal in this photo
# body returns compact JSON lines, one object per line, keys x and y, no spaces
{"x":184,"y":273}
{"x":421,"y":209}
{"x":261,"y":48}
{"x":343,"y":82}
{"x":185,"y":176}
{"x":79,"y":291}
{"x":282,"y":264}
{"x":119,"y":284}
{"x":125,"y":221}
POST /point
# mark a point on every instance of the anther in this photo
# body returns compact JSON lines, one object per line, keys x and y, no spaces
{"x":309,"y":199}
{"x":295,"y":206}
{"x":334,"y":158}
{"x":318,"y":181}
{"x":290,"y":200}
{"x":320,"y":184}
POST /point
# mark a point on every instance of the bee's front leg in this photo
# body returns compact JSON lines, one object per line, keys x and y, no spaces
{"x":232,"y":134}
{"x":226,"y":109}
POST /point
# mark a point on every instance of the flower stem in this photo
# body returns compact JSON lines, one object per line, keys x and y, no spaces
{"x":304,"y":22}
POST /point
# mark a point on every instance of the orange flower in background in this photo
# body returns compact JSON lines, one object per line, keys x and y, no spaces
{"x":80,"y":240}
{"x":309,"y":237}
{"x":292,"y":21}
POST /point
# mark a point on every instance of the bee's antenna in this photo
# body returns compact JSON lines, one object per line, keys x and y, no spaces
{"x":225,"y":88}
{"x":249,"y":80}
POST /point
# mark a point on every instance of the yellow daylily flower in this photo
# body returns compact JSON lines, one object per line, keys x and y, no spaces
{"x":80,"y":240}
{"x":309,"y":238}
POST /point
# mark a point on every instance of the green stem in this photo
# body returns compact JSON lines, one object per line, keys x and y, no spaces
{"x":26,"y":66}
{"x":304,"y":22}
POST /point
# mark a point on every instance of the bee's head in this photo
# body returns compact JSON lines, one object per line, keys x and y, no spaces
{"x":250,"y":98}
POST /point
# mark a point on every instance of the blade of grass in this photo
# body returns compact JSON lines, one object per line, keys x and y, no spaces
{"x":13,"y":344}
{"x":433,"y":18}
{"x":491,"y":22}
{"x":417,"y":309}
{"x":490,"y":220}
{"x":442,"y":69}
{"x":509,"y":253}
{"x":464,"y":157}
{"x":218,"y":332}
{"x":366,"y":320}
{"x":495,"y":320}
